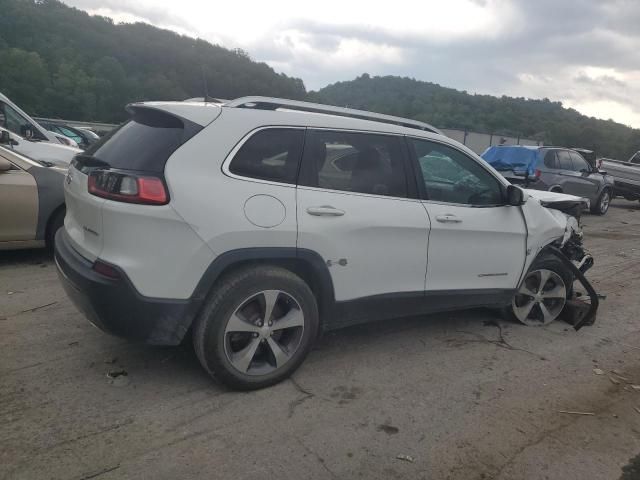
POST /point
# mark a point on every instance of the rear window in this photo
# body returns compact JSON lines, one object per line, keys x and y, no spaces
{"x":271,"y":154}
{"x":143,"y":143}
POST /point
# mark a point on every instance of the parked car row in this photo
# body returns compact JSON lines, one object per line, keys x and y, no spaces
{"x":83,"y":137}
{"x":21,"y":133}
{"x":556,"y":169}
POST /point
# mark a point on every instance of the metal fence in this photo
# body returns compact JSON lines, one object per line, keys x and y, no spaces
{"x":478,"y":142}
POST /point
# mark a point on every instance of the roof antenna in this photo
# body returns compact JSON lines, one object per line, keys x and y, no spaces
{"x":204,"y":84}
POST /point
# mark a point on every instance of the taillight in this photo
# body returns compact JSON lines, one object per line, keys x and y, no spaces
{"x":537,"y":173}
{"x":128,"y":187}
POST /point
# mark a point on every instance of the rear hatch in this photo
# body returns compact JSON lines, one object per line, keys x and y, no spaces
{"x":125,"y":166}
{"x":516,"y":163}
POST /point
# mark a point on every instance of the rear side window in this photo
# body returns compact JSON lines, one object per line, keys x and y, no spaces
{"x":271,"y":154}
{"x":564,"y":160}
{"x":354,"y":162}
{"x":551,"y":159}
{"x":143,"y":143}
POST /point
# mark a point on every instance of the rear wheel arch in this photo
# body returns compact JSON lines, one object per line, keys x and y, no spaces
{"x":307,"y":264}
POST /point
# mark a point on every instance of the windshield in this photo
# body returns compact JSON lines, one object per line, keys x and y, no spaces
{"x":520,"y":160}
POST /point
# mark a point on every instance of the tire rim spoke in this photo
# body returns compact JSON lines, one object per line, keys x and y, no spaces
{"x":556,"y":292}
{"x":292,"y":319}
{"x":546,"y":314}
{"x":270,"y":299}
{"x":242,"y":359}
{"x":523,"y":311}
{"x":237,"y":324}
{"x":280,"y":355}
{"x":544,"y":278}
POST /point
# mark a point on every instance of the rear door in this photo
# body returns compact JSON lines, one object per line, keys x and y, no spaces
{"x":18,"y":205}
{"x":354,"y":210}
{"x":477,"y":243}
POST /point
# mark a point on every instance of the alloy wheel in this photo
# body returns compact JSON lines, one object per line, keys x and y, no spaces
{"x":264,"y":332}
{"x":541,"y":298}
{"x":604,"y":202}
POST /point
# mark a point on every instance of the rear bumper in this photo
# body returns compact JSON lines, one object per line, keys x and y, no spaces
{"x":115,"y":306}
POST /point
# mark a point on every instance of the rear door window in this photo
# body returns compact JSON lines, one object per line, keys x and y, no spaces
{"x":354,"y":162}
{"x":564,"y":160}
{"x":270,"y":154}
{"x":551,"y":159}
{"x":143,"y":143}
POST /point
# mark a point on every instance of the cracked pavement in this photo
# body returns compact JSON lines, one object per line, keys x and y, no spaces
{"x":466,"y":395}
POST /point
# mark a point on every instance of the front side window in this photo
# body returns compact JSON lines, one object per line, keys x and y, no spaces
{"x":564,"y":159}
{"x":354,"y":162}
{"x":271,"y":154}
{"x":579,"y":163}
{"x":450,"y":176}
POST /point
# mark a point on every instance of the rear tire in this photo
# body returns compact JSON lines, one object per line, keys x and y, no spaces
{"x":602,"y":205}
{"x":256,"y":328}
{"x":543,"y":293}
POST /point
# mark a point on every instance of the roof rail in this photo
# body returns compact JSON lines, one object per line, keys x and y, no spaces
{"x":268,"y":103}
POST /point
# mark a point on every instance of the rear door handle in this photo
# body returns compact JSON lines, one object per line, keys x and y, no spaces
{"x":448,"y":218}
{"x":325,"y":211}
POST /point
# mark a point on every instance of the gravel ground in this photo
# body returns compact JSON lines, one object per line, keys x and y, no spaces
{"x":461,"y":396}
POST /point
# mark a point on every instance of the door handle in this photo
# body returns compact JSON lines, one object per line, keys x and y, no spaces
{"x":325,"y":211}
{"x":448,"y":218}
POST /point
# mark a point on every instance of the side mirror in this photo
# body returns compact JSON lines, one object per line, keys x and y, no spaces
{"x":5,"y":165}
{"x":515,"y":196}
{"x":5,"y":138}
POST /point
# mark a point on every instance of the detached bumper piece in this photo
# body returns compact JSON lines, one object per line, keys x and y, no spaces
{"x":114,"y":305}
{"x":578,"y":312}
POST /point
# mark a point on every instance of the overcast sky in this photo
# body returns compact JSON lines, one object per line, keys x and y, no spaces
{"x":585,"y":53}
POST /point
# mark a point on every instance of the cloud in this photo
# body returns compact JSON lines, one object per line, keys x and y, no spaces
{"x":582,"y":52}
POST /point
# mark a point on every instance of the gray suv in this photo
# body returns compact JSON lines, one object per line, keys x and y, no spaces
{"x":556,"y":169}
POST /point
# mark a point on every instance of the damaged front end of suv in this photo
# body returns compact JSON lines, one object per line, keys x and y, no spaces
{"x":553,"y":222}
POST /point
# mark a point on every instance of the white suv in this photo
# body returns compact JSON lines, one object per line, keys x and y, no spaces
{"x":251,"y":226}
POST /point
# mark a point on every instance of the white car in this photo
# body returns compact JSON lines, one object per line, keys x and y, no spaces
{"x":251,"y":226}
{"x":29,"y":138}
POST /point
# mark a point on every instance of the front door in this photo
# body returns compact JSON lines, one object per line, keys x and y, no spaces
{"x":18,"y":205}
{"x":477,"y":243}
{"x":354,"y":210}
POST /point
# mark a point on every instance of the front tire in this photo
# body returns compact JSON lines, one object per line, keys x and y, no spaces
{"x":543,"y":293}
{"x":602,"y":205}
{"x":257,"y":327}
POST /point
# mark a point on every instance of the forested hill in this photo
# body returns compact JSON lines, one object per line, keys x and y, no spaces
{"x":59,"y":61}
{"x":446,"y":107}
